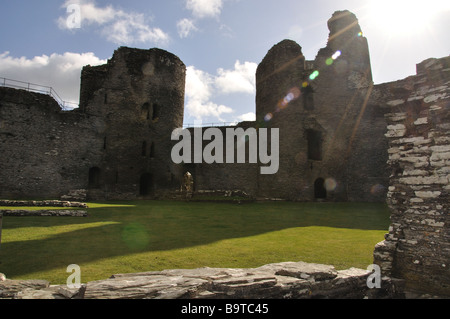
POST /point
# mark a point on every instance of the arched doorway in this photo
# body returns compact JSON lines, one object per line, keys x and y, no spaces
{"x":146,"y":184}
{"x":94,"y":177}
{"x":320,"y":191}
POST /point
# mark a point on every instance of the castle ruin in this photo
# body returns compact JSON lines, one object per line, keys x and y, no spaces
{"x":342,"y":138}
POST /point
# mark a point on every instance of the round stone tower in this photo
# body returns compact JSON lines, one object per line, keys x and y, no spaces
{"x":140,"y":95}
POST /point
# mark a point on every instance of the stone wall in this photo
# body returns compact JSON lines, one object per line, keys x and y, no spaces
{"x":45,"y":152}
{"x":288,"y":280}
{"x":331,"y":133}
{"x":116,"y":145}
{"x":417,"y":247}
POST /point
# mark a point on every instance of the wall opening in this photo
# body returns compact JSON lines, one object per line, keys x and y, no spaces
{"x":156,"y":110}
{"x":320,"y":191}
{"x":314,"y":139}
{"x":146,"y":111}
{"x":146,"y":184}
{"x":144,"y":148}
{"x":308,"y":98}
{"x":94,"y":177}
{"x":152,"y":150}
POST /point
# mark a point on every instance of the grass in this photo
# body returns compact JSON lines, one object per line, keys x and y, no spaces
{"x":156,"y":235}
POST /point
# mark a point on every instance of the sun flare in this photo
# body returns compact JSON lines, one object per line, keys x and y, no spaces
{"x":406,"y":17}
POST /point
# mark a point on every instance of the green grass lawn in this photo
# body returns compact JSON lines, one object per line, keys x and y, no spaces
{"x":156,"y":235}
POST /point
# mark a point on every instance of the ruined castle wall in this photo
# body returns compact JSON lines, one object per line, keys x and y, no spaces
{"x":45,"y":152}
{"x":223,"y":176}
{"x":117,"y":144}
{"x":332,"y":143}
{"x":417,"y":247}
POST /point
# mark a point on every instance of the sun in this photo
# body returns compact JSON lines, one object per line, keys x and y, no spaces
{"x":405,"y":17}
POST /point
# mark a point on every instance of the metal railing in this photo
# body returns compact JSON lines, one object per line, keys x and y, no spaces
{"x":37,"y":88}
{"x":210,"y":124}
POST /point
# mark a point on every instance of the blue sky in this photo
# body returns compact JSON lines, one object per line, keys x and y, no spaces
{"x":220,"y":41}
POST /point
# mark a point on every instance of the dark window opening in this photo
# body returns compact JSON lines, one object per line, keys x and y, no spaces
{"x":152,"y":150}
{"x":117,"y":177}
{"x":146,"y":184}
{"x":94,"y":177}
{"x":104,"y":143}
{"x":106,"y":99}
{"x":144,"y":148}
{"x":155,"y":114}
{"x":314,"y":139}
{"x":320,"y":191}
{"x":308,"y":98}
{"x":146,"y":111}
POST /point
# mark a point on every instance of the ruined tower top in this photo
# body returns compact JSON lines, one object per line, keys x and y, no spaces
{"x":343,"y":25}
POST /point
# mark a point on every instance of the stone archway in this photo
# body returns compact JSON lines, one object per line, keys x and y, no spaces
{"x":320,"y":191}
{"x":146,"y":184}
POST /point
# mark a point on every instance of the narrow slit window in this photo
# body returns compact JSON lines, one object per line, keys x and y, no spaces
{"x":314,"y":139}
{"x":156,"y":110}
{"x":146,"y":111}
{"x":144,"y":148}
{"x":152,"y":150}
{"x":94,"y":177}
{"x":308,"y":98}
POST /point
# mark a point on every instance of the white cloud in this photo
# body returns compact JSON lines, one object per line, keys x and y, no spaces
{"x":251,"y":116}
{"x":59,"y":71}
{"x":118,"y":26}
{"x":201,"y":9}
{"x":185,"y":27}
{"x":204,"y":8}
{"x":202,"y":88}
{"x":199,"y":91}
{"x":239,"y":80}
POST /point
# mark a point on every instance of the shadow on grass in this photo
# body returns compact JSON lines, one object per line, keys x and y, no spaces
{"x":152,"y":226}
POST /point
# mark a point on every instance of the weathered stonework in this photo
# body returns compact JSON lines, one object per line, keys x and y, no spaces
{"x":332,"y":144}
{"x":417,"y":247}
{"x":288,"y":280}
{"x":116,"y":145}
{"x":47,"y":212}
{"x":342,"y":138}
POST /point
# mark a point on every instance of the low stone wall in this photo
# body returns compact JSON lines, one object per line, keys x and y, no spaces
{"x":43,"y":203}
{"x":288,"y":280}
{"x":55,"y":213}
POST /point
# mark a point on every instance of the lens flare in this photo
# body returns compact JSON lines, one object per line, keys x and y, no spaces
{"x":336,"y":55}
{"x":329,"y":61}
{"x":330,"y":184}
{"x":314,"y":75}
{"x":135,"y":236}
{"x":377,"y":189}
{"x":268,"y":117}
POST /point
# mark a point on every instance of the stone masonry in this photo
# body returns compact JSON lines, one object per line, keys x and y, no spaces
{"x":288,"y":280}
{"x":417,"y":247}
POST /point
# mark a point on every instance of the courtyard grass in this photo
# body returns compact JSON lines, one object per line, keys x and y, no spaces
{"x":126,"y":237}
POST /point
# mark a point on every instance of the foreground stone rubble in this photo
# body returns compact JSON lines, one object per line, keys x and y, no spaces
{"x":288,"y":280}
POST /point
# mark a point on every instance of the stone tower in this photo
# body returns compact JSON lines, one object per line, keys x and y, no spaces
{"x":331,"y":136}
{"x":140,"y":95}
